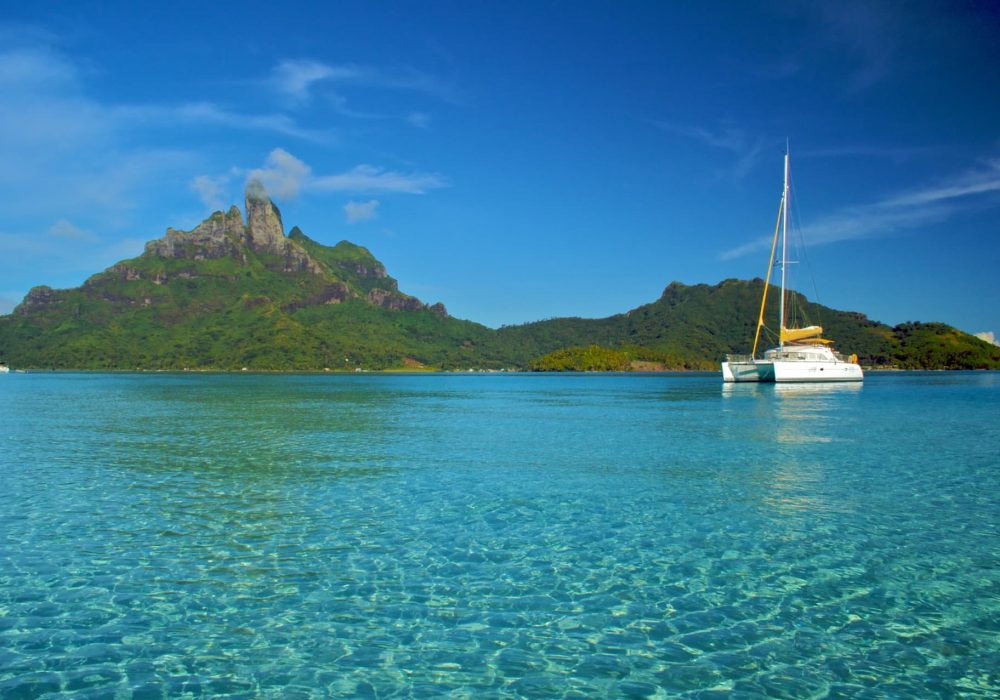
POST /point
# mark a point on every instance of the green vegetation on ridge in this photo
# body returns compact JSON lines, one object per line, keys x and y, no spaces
{"x":215,"y":298}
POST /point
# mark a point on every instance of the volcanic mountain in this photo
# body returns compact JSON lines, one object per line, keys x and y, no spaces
{"x":234,"y":293}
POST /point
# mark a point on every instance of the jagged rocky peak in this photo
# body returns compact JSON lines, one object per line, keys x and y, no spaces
{"x":264,"y":229}
{"x":224,"y":234}
{"x":266,"y":234}
{"x":220,"y":235}
{"x":36,"y":299}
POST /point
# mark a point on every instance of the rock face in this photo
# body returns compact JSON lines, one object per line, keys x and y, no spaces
{"x":266,"y":234}
{"x":395,"y":300}
{"x":37,"y":298}
{"x":219,"y":236}
{"x":376,"y":271}
{"x":337,"y":274}
{"x":223,"y":235}
{"x":264,"y":231}
{"x":330,"y":294}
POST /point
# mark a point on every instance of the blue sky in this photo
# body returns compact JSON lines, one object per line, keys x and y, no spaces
{"x":520,"y":161}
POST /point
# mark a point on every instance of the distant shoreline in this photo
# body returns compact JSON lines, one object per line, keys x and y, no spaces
{"x":424,"y":372}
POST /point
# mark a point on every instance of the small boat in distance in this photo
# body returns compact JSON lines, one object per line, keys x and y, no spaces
{"x":4,"y":369}
{"x":802,"y":355}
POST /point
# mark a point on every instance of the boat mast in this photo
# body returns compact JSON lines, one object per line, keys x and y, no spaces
{"x":784,"y":256}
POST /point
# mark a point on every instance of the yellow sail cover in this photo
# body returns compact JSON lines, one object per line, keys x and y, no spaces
{"x":809,"y":335}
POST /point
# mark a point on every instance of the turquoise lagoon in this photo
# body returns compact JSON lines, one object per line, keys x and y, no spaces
{"x":498,"y":536}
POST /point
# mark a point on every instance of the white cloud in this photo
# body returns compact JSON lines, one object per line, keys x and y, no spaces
{"x":970,"y":184}
{"x":283,"y":174}
{"x":295,"y":78}
{"x":369,"y":178}
{"x":211,"y":190}
{"x":908,"y":210}
{"x":298,"y":81}
{"x":360,"y":211}
{"x":59,"y":144}
{"x":65,"y":229}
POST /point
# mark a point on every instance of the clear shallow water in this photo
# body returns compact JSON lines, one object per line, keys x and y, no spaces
{"x":498,"y":536}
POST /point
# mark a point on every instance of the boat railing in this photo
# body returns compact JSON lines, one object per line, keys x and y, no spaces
{"x":739,"y":358}
{"x":798,"y":355}
{"x":791,"y":355}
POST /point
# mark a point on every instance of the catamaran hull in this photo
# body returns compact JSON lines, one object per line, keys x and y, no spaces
{"x":747,"y":372}
{"x":786,"y":371}
{"x":791,"y":371}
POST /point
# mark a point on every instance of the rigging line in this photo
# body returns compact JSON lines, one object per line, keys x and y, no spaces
{"x":767,"y":280}
{"x":804,"y":250}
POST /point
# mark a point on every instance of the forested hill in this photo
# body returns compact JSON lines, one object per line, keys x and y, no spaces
{"x":233,"y":294}
{"x":695,"y":326}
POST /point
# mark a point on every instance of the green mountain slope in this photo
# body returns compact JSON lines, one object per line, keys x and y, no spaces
{"x":227,"y":295}
{"x":696,"y":326}
{"x":231,"y":294}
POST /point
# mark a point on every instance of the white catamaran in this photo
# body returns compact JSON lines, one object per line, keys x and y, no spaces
{"x":802,"y":355}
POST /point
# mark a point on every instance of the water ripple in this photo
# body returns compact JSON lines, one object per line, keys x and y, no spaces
{"x":641,"y":537}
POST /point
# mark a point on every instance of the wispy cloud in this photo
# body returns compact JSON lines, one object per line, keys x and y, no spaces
{"x":285,"y":176}
{"x":857,"y":40}
{"x":45,"y":84}
{"x":369,"y":178}
{"x":67,"y":230}
{"x":866,"y":33}
{"x":907,"y":210}
{"x":860,"y":150}
{"x":304,"y":81}
{"x":38,"y":69}
{"x":975,"y":182}
{"x":63,"y":249}
{"x":295,"y":78}
{"x":743,"y":149}
{"x":61,"y":146}
{"x":421,"y":120}
{"x":207,"y":114}
{"x":360,"y":211}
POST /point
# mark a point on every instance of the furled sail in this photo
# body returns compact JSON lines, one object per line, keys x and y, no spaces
{"x":809,"y":334}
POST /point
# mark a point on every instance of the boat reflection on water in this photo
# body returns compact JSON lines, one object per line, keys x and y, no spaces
{"x":803,"y":412}
{"x":794,"y":390}
{"x":798,"y":422}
